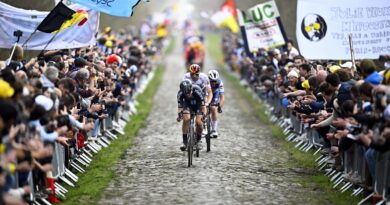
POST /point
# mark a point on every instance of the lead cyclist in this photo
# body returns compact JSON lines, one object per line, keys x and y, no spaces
{"x":190,"y":98}
{"x":217,"y":101}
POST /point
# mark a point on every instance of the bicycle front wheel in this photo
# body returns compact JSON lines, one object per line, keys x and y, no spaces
{"x":208,"y":142}
{"x":190,"y":147}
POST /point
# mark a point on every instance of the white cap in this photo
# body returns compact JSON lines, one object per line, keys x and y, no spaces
{"x":133,"y":68}
{"x":45,"y":102}
{"x":293,"y":73}
{"x":347,"y":65}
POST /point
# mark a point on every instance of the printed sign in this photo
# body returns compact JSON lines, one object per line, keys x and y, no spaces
{"x":260,"y":26}
{"x":323,"y":27}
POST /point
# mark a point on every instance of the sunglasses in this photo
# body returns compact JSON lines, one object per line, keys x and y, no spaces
{"x":195,"y":75}
{"x":315,"y":26}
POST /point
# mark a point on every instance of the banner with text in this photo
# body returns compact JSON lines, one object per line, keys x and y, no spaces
{"x":13,"y":19}
{"x":261,"y":26}
{"x":112,"y":7}
{"x":323,"y":27}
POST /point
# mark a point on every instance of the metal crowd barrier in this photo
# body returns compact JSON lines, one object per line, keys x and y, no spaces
{"x":354,"y":172}
{"x":82,"y":157}
{"x":382,"y":176}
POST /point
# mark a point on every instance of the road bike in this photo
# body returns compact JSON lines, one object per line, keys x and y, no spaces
{"x":208,"y":128}
{"x":191,"y":139}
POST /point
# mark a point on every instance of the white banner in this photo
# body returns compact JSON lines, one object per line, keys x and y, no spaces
{"x":323,"y":27}
{"x":261,"y":26}
{"x":13,"y":19}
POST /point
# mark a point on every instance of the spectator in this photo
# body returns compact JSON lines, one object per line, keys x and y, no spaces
{"x":349,"y":108}
{"x":291,"y":50}
{"x":59,"y":101}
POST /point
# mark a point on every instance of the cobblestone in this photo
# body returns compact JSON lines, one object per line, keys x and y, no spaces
{"x":245,"y":165}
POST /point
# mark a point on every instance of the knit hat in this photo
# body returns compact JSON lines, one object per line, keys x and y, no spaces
{"x":113,"y":59}
{"x":293,"y":73}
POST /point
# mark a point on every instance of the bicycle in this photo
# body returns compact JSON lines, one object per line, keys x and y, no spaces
{"x":191,"y":139}
{"x":208,"y":126}
{"x":208,"y":129}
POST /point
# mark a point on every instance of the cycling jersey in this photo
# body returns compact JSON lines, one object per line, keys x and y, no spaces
{"x":203,"y":82}
{"x":193,"y":103}
{"x":217,"y":90}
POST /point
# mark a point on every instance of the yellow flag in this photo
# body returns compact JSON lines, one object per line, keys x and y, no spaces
{"x":79,"y":17}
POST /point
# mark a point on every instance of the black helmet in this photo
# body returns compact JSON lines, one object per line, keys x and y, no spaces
{"x":186,"y":86}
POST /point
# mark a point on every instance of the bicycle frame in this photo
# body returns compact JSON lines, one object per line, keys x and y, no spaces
{"x":208,"y":127}
{"x":191,"y":140}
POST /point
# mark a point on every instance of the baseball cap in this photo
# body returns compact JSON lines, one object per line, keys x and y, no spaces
{"x":6,"y":90}
{"x":45,"y":102}
{"x":305,"y":84}
{"x":347,"y":65}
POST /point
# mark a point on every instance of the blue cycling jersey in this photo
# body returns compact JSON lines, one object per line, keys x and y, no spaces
{"x":217,"y":90}
{"x":217,"y":87}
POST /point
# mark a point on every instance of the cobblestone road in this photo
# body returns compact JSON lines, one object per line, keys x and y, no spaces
{"x":244,"y":167}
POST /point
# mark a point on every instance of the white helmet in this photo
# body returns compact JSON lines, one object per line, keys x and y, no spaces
{"x":213,"y":75}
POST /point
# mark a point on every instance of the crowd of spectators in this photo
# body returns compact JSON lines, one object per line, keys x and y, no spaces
{"x":62,"y":97}
{"x":345,"y":105}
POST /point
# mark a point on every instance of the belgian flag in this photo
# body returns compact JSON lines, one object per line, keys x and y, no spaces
{"x":54,"y":20}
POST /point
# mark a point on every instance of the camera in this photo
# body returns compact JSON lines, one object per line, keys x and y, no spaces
{"x":384,"y":58}
{"x":18,"y":33}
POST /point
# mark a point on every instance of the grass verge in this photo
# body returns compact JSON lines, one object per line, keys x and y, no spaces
{"x":316,"y":179}
{"x":170,"y":46}
{"x":101,"y":171}
{"x":91,"y":184}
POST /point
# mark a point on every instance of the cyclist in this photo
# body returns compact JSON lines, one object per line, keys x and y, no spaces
{"x":201,"y":80}
{"x":217,"y":101}
{"x":194,"y":52}
{"x":190,"y":98}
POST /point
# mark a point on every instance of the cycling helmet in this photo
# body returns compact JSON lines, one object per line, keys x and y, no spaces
{"x":213,"y":75}
{"x":186,"y":86}
{"x":194,"y":69}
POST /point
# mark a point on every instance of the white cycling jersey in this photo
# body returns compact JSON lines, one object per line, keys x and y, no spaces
{"x":203,"y":82}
